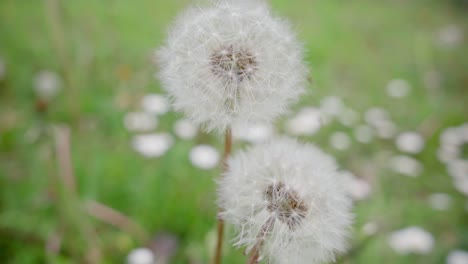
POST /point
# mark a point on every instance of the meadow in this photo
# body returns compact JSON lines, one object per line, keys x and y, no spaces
{"x":402,"y":61}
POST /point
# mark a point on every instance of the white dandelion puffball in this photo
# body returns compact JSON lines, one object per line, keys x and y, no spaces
{"x":457,"y":257}
{"x":291,"y":197}
{"x":411,"y":240}
{"x":47,"y":84}
{"x":364,"y":134}
{"x":155,"y":104}
{"x":185,"y":129}
{"x":140,"y":122}
{"x":440,"y":201}
{"x":398,"y":88}
{"x":231,"y":63}
{"x":152,"y":145}
{"x":141,"y":256}
{"x":204,"y":157}
{"x":256,"y":133}
{"x":410,"y":142}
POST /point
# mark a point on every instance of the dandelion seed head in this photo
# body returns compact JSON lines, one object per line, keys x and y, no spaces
{"x":231,"y":63}
{"x":293,"y":189}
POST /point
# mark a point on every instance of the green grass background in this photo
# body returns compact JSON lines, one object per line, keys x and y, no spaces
{"x":102,"y":50}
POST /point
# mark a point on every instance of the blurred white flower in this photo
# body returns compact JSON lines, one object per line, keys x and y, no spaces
{"x":410,"y":142}
{"x":440,"y":201}
{"x":185,"y":129}
{"x":370,"y":228}
{"x":2,"y":69}
{"x":398,"y":88}
{"x":452,"y":142}
{"x":332,"y":106}
{"x":204,"y":157}
{"x":290,"y":198}
{"x":406,"y":165}
{"x":386,"y":129}
{"x":375,"y":115}
{"x":152,"y":145}
{"x":255,"y":133}
{"x":450,"y":36}
{"x":457,"y":257}
{"x":140,"y":121}
{"x":141,"y":256}
{"x":411,"y":240}
{"x":155,"y":104}
{"x":307,"y":121}
{"x":340,"y":141}
{"x":358,"y":189}
{"x":47,"y":84}
{"x":348,"y":117}
{"x":232,"y":63}
{"x":364,"y":134}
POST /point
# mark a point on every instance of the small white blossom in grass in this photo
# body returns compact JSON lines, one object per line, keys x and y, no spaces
{"x":348,"y":117}
{"x":290,"y":198}
{"x":340,"y":141}
{"x":386,"y":129}
{"x":453,"y":144}
{"x":47,"y":84}
{"x":398,"y":88}
{"x":307,"y":121}
{"x":410,"y":142}
{"x":450,"y":36}
{"x":155,"y":104}
{"x":141,"y":256}
{"x":232,"y":63}
{"x":440,"y":201}
{"x":185,"y":129}
{"x":457,"y":257}
{"x":358,"y":189}
{"x":140,"y":121}
{"x":406,"y":165}
{"x":370,"y":228}
{"x":204,"y":157}
{"x":2,"y":69}
{"x":255,"y":133}
{"x":411,"y":240}
{"x":375,"y":115}
{"x":152,"y":145}
{"x":332,"y":106}
{"x":364,"y":134}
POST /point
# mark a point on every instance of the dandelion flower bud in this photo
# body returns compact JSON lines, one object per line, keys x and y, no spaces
{"x":291,"y":197}
{"x":232,"y":63}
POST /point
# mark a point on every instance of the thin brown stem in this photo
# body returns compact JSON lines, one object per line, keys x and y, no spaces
{"x":220,"y":228}
{"x":254,"y":254}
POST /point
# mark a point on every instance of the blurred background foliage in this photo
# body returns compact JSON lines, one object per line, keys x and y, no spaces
{"x":102,"y":54}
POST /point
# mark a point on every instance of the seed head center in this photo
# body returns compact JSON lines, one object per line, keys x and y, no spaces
{"x":286,"y":204}
{"x":233,"y":64}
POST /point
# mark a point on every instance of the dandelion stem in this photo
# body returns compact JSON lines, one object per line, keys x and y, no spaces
{"x":220,"y":229}
{"x":254,"y":254}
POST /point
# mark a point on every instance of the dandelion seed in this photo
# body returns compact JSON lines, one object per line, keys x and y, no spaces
{"x":204,"y":157}
{"x":411,"y":240}
{"x":222,"y":69}
{"x":291,"y":197}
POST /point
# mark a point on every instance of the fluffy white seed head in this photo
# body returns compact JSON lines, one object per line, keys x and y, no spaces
{"x":293,"y":193}
{"x":231,"y":63}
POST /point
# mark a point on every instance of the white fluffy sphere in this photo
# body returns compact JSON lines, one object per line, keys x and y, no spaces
{"x":292,"y":193}
{"x":232,"y":63}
